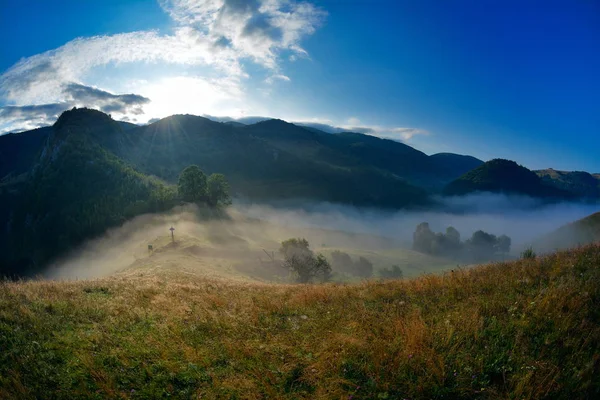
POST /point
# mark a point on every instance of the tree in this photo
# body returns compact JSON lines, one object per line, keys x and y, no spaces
{"x":342,"y":262}
{"x":391,"y":273}
{"x":482,"y":245}
{"x":218,"y":191}
{"x":363,"y":268}
{"x":301,"y":261}
{"x":192,"y":185}
{"x":423,"y":238}
{"x":453,"y":237}
{"x":503,"y":244}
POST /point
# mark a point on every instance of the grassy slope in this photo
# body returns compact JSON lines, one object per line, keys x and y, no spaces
{"x":527,"y":329}
{"x":580,"y":232}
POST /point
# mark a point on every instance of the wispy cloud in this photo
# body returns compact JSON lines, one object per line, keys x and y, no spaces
{"x":218,"y":35}
{"x":14,"y":118}
{"x":354,"y":124}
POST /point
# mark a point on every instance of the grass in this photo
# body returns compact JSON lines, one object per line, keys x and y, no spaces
{"x":528,"y":329}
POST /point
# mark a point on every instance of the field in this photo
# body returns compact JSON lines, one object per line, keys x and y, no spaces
{"x":527,"y":329}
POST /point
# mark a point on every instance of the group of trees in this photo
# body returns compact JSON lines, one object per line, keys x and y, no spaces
{"x":306,"y":266}
{"x":343,"y":263}
{"x":481,"y":246}
{"x":195,"y":187}
{"x":303,"y":262}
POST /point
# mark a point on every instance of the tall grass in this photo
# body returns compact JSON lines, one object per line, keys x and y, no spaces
{"x":527,"y":329}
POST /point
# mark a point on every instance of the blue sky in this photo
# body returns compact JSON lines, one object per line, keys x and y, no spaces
{"x":511,"y":79}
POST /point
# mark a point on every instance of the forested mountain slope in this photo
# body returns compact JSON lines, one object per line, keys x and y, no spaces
{"x":505,"y":176}
{"x":76,"y":190}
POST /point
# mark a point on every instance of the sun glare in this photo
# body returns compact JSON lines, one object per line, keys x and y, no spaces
{"x":192,"y":95}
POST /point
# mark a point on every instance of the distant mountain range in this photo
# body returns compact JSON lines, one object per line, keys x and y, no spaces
{"x":62,"y":184}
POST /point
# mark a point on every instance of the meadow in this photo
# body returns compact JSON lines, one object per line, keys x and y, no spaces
{"x":526,"y":329}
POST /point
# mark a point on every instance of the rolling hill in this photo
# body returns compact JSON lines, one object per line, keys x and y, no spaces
{"x":505,"y":176}
{"x":527,"y":329}
{"x":581,"y":183}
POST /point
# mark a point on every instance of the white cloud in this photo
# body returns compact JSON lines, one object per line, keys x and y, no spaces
{"x":353,"y":121}
{"x":395,"y":133}
{"x":353,"y":124}
{"x":271,"y":79}
{"x":217,"y":35}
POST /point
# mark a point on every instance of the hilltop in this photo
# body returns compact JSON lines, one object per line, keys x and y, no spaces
{"x":581,"y":183}
{"x":505,"y":176}
{"x":525,"y":329}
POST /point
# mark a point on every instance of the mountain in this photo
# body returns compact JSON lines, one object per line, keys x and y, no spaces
{"x":269,"y":160}
{"x":581,"y":183}
{"x":452,"y":165}
{"x":18,"y":151}
{"x":504,"y":176}
{"x":75,"y":190}
{"x":578,"y":233}
{"x":351,"y":149}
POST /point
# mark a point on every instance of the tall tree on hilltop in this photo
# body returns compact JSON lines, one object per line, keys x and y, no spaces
{"x":218,"y":191}
{"x":192,"y":185}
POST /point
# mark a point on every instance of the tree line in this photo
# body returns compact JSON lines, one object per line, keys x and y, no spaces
{"x":306,"y":266}
{"x":480,"y":246}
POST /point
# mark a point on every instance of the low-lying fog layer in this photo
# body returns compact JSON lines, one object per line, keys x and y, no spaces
{"x":520,"y":218}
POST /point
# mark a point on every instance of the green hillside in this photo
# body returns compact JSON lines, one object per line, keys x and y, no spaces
{"x":522,"y":330}
{"x":580,"y":183}
{"x":504,"y":176}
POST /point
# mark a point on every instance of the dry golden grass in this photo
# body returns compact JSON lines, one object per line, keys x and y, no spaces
{"x":526,"y":330}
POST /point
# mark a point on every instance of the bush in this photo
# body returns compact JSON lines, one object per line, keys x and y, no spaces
{"x":528,"y":253}
{"x":391,"y":273}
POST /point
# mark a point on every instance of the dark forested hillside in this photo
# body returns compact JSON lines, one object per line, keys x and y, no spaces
{"x":504,"y":176}
{"x":451,"y":166}
{"x":266,"y":161}
{"x":19,"y":151}
{"x":580,"y":183}
{"x":76,"y":190}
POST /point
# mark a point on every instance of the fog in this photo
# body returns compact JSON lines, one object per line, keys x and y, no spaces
{"x":246,"y":229}
{"x":522,"y":218}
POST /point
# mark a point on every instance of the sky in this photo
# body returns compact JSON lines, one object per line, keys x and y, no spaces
{"x":493,"y":79}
